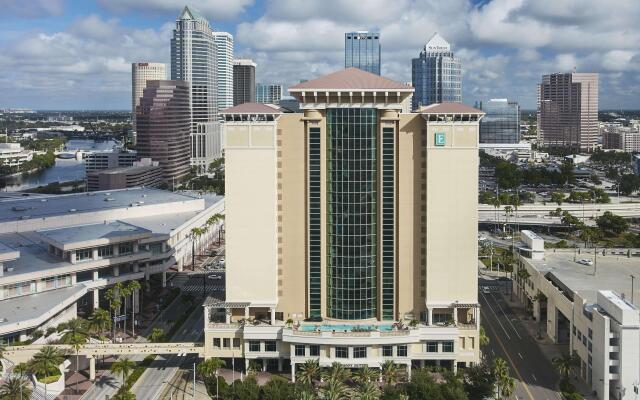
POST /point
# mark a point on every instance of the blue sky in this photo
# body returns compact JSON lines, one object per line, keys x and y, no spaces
{"x":76,"y":54}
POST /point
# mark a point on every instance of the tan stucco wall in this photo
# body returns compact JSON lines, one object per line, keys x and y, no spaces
{"x":452,"y":218}
{"x":292,"y":206}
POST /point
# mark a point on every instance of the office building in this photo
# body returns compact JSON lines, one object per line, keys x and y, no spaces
{"x":568,"y":111}
{"x":58,"y":253}
{"x":244,"y":81}
{"x":268,"y":93}
{"x":224,"y":71}
{"x":622,"y":138}
{"x":194,"y":60}
{"x":99,"y":160}
{"x":164,"y":128}
{"x":358,"y":216}
{"x":436,"y":74}
{"x":362,"y":50}
{"x":143,"y":173}
{"x":13,"y":155}
{"x":141,"y":72}
{"x":501,"y":121}
{"x":586,"y":304}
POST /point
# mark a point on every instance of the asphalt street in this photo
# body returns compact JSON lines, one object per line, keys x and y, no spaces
{"x":161,"y":371}
{"x":534,"y":374}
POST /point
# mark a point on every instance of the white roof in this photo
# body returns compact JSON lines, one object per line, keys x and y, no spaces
{"x":437,"y":44}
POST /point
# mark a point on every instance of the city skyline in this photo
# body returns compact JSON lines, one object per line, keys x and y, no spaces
{"x":493,"y":40}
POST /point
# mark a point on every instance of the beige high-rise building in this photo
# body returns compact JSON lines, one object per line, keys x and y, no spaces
{"x":568,"y":111}
{"x":351,"y":229}
{"x":141,"y":72}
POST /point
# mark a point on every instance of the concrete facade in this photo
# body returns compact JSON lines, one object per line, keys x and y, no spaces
{"x":279,"y":169}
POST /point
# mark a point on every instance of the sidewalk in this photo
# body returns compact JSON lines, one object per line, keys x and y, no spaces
{"x":549,"y":349}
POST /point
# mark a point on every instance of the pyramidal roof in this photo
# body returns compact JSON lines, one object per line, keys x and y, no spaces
{"x":437,"y":44}
{"x":192,"y":13}
{"x":351,"y":79}
{"x":252,"y":108}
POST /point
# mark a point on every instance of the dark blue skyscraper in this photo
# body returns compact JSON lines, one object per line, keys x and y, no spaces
{"x":501,"y":122}
{"x":362,"y":50}
{"x":436,"y":74}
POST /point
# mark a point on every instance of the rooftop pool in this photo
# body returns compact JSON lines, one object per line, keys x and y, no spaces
{"x":343,"y":328}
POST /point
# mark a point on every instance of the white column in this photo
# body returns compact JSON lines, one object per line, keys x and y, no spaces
{"x":409,"y":371}
{"x":74,"y":278}
{"x":273,"y":316}
{"x":92,"y":368}
{"x":206,"y":316}
{"x":136,"y":267}
{"x":116,"y":270}
{"x":147,"y":273}
{"x":264,"y":365}
{"x":96,"y":299}
{"x":136,"y":296}
{"x":246,"y":312}
{"x":430,"y":316}
{"x":293,"y":372}
{"x":94,"y":253}
{"x":279,"y":364}
{"x":227,"y":314}
{"x":477,"y":311}
{"x":455,"y":315}
{"x":96,"y":275}
{"x":164,"y":278}
{"x":180,"y":265}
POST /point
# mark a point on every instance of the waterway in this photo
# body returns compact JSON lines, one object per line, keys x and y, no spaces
{"x":63,"y":171}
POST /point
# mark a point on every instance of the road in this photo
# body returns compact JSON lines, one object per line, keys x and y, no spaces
{"x":508,"y":339}
{"x":161,"y":371}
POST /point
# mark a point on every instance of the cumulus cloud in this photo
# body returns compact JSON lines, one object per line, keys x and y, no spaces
{"x":218,"y":9}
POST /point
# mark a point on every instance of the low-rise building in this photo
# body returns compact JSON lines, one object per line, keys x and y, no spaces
{"x":586,"y":301}
{"x":13,"y":155}
{"x":145,"y":173}
{"x":59,"y":252}
{"x":626,"y":139}
{"x":100,"y":160}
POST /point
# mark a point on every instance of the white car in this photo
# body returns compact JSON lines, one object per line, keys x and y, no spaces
{"x":215,"y":277}
{"x":485,"y":290}
{"x":586,"y":261}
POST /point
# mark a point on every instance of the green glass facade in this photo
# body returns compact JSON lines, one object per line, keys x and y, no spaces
{"x":352,"y":157}
{"x":315,"y":247}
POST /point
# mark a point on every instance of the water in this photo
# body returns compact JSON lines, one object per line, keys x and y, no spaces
{"x":62,"y":171}
{"x":344,"y":327}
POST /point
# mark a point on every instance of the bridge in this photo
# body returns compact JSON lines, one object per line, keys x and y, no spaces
{"x":538,"y":214}
{"x":18,"y":354}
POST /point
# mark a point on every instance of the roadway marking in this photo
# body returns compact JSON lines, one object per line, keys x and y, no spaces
{"x":520,"y":355}
{"x":534,"y":377}
{"x":505,"y":316}
{"x":513,"y":365}
{"x":497,"y":319}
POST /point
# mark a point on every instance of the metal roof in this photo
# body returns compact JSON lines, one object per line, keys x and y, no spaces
{"x":351,"y":79}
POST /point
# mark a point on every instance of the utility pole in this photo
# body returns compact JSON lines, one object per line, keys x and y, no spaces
{"x":632,"y":279}
{"x":193,"y":394}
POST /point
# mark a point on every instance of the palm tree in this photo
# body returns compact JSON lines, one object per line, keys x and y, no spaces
{"x":99,"y":321}
{"x":504,"y":382}
{"x":254,"y":367}
{"x":389,"y":372}
{"x":21,"y":369}
{"x":132,"y":288}
{"x":209,"y":368}
{"x":76,"y":335}
{"x":337,"y":372}
{"x":156,"y":336}
{"x":484,"y":339}
{"x":124,"y":395}
{"x":14,"y":388}
{"x":309,"y":372}
{"x":123,"y":366}
{"x":365,"y":375}
{"x":47,"y":362}
{"x":113,"y":295}
{"x":367,"y":391}
{"x":564,"y":365}
{"x":215,"y":218}
{"x":195,"y":234}
{"x":334,"y":390}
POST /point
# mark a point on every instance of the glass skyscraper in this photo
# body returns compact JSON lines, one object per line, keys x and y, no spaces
{"x":362,"y":50}
{"x":501,"y":122}
{"x":436,"y":74}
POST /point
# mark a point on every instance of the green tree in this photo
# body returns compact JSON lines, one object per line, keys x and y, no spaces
{"x":208,"y":369}
{"x":124,"y":395}
{"x":423,"y":386}
{"x":113,"y":295}
{"x":123,"y":366}
{"x":453,"y":388}
{"x":15,"y":388}
{"x":393,"y":393}
{"x":595,"y":179}
{"x":479,"y":381}
{"x":309,"y":372}
{"x":365,"y":374}
{"x":247,"y":389}
{"x":368,"y":390}
{"x":484,"y":339}
{"x":157,"y":335}
{"x":99,"y":321}
{"x":334,"y":389}
{"x":611,"y":224}
{"x":278,"y":389}
{"x":46,"y":363}
{"x":629,"y":183}
{"x":389,"y":372}
{"x":557,"y":197}
{"x":504,"y":383}
{"x":77,"y":336}
{"x":131,"y":289}
{"x":564,"y":365}
{"x":337,"y":372}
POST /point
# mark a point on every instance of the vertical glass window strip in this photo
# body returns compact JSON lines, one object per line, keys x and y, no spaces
{"x":314,"y":223}
{"x":351,"y":213}
{"x":388,"y":222}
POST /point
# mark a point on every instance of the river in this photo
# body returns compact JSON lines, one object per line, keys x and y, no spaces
{"x":62,"y":171}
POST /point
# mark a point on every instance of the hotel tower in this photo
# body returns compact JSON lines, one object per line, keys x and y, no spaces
{"x":351,"y":229}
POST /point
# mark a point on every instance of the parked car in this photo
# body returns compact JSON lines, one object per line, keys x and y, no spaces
{"x":215,"y":277}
